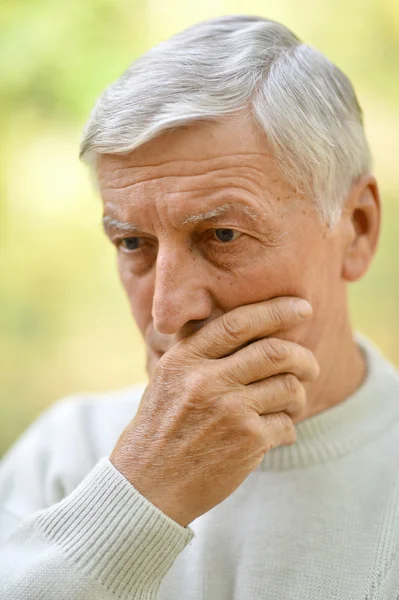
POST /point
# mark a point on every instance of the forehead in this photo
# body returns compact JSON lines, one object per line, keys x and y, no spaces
{"x":196,"y":165}
{"x":190,"y":149}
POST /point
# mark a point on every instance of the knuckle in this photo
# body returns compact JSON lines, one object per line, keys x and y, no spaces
{"x":234,"y":326}
{"x":250,"y":429}
{"x":301,"y":398}
{"x":259,"y":350}
{"x":276,"y":350}
{"x":280,"y":430}
{"x":295,"y":393}
{"x":277,"y":315}
{"x":197,"y":381}
{"x":230,"y":406}
{"x":284,"y":421}
{"x":286,"y":427}
{"x":291,"y":385}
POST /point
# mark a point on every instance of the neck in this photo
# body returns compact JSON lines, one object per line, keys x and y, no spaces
{"x":342,"y":371}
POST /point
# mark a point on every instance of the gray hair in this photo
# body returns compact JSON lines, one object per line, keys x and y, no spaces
{"x":306,"y":105}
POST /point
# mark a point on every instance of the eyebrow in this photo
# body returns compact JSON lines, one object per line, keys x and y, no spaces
{"x":219,"y":210}
{"x":109,"y":222}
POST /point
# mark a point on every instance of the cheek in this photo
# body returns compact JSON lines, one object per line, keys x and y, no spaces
{"x":303,"y":272}
{"x":317,"y":277}
{"x":272,"y":275}
{"x":140,"y":292}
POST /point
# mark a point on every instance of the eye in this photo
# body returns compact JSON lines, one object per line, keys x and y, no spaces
{"x":131,"y":243}
{"x":227,"y":235}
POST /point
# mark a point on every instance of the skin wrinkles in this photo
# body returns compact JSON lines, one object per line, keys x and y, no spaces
{"x":195,"y":232}
{"x":256,"y":201}
{"x":182,"y":278}
{"x":194,"y":168}
{"x":226,"y":180}
{"x":214,"y":212}
{"x":183,"y":172}
{"x":243,"y":186}
{"x":111,"y":224}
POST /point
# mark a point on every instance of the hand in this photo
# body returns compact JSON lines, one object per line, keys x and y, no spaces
{"x":218,"y":400}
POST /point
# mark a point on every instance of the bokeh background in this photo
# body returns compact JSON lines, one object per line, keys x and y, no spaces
{"x":65,"y":323}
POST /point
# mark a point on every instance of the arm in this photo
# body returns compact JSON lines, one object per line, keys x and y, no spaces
{"x":204,"y":423}
{"x":68,"y":530}
{"x":103,"y":541}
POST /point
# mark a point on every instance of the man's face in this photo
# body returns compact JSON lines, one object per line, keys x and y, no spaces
{"x":204,"y":222}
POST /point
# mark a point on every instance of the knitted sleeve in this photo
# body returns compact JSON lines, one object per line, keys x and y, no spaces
{"x":102,"y":541}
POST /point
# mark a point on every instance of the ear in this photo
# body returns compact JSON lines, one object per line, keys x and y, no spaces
{"x":363,"y":214}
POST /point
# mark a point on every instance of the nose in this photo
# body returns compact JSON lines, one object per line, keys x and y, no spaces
{"x":180,"y":293}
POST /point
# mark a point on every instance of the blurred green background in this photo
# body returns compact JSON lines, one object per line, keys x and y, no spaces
{"x":65,"y":324}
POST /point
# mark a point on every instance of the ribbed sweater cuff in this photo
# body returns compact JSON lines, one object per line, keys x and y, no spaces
{"x":114,"y":534}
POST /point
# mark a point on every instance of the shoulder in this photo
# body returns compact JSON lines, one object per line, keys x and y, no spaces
{"x":62,"y":446}
{"x":94,"y":418}
{"x":98,"y":418}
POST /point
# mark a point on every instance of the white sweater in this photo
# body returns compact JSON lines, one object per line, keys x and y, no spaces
{"x":316,"y":520}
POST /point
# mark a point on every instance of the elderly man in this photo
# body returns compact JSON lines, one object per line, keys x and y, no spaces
{"x":261,"y":460}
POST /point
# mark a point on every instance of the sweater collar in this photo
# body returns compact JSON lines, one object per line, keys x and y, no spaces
{"x":367,"y":413}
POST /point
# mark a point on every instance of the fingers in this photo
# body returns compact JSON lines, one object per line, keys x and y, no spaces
{"x":224,"y":335}
{"x":281,"y":393}
{"x":275,"y":430}
{"x":266,"y":358}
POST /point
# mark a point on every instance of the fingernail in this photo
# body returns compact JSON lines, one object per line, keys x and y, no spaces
{"x":303,"y":308}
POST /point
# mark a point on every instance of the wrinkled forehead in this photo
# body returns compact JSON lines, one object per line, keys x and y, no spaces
{"x":191,"y":149}
{"x":227,"y":157}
